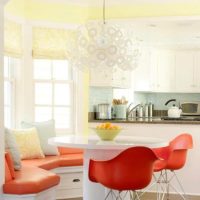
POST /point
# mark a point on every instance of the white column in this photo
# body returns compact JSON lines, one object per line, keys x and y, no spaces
{"x":1,"y":99}
{"x":24,"y":81}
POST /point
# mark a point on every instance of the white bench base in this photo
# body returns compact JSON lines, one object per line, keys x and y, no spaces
{"x":71,"y":182}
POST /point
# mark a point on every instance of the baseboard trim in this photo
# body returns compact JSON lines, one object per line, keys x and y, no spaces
{"x":152,"y":196}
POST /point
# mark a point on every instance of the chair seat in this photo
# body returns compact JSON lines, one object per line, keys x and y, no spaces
{"x":31,"y":180}
{"x":159,"y":165}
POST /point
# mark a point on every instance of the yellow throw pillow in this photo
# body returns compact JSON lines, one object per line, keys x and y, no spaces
{"x":28,"y":143}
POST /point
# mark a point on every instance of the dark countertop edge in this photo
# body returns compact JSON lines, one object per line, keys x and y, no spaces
{"x":154,"y":121}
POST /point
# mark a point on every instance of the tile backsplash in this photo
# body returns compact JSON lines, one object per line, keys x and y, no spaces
{"x":159,"y":99}
{"x":99,"y":95}
{"x":105,"y":95}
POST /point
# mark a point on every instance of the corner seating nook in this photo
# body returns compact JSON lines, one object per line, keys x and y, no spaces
{"x":52,"y":177}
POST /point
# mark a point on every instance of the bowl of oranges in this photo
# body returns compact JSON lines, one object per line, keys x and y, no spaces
{"x":107,"y":131}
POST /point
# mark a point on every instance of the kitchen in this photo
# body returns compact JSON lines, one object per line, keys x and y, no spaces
{"x":168,"y":69}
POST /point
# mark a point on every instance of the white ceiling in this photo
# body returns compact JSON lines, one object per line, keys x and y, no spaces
{"x":120,"y":2}
{"x":177,"y":32}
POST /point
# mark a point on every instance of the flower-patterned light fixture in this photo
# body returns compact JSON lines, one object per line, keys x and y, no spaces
{"x":99,"y":45}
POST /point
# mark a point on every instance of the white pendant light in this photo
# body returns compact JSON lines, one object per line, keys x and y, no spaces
{"x":99,"y":45}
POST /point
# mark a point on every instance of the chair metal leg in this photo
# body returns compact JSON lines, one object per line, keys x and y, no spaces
{"x":110,"y":192}
{"x":166,"y":181}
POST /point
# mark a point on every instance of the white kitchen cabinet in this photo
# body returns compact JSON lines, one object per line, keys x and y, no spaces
{"x":168,"y":71}
{"x":111,"y":77}
{"x":196,"y":86}
{"x":141,"y":73}
{"x":144,"y":74}
{"x":185,"y":71}
{"x":165,"y":72}
{"x":156,"y":71}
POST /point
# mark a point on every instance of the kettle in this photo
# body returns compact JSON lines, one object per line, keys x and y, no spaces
{"x":174,"y":111}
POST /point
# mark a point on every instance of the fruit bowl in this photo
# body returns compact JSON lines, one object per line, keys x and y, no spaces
{"x":108,"y":135}
{"x":107,"y":131}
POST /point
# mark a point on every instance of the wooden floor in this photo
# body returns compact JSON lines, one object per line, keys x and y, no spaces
{"x":151,"y":196}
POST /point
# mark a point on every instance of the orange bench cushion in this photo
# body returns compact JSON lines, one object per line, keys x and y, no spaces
{"x":9,"y":167}
{"x":8,"y":176}
{"x":31,"y":180}
{"x":66,"y":150}
{"x":52,"y":162}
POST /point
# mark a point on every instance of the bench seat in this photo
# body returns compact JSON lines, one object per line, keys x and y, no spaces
{"x":30,"y":180}
{"x":52,"y":162}
{"x":39,"y":178}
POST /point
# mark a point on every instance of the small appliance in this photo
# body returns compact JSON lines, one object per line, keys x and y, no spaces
{"x":173,"y":111}
{"x":191,"y":108}
{"x":104,"y":111}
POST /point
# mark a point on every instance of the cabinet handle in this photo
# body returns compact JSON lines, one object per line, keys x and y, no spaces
{"x":76,"y":180}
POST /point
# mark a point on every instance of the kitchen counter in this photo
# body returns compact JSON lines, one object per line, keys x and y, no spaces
{"x":154,"y":120}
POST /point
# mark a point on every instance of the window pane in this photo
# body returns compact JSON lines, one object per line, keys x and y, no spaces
{"x":7,"y":93}
{"x":43,"y":113}
{"x":60,"y":70}
{"x":6,"y":67}
{"x":43,"y":93}
{"x":7,"y":117}
{"x":62,"y":94}
{"x":62,"y":118}
{"x":42,"y":69}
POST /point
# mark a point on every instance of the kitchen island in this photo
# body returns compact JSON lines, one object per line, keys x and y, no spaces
{"x":167,"y":130}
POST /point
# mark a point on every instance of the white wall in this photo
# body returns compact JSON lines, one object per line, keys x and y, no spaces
{"x":1,"y":99}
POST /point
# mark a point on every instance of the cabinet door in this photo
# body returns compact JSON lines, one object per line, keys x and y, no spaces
{"x":185,"y":69}
{"x":101,"y":78}
{"x":121,"y":78}
{"x":142,"y":74}
{"x":197,"y":72}
{"x":166,"y":72}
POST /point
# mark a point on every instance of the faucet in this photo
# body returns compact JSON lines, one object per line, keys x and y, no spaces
{"x":129,"y":111}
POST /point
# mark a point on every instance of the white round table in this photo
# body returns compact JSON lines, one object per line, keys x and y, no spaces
{"x":102,"y":150}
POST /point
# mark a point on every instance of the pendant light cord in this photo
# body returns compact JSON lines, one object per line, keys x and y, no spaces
{"x":104,"y":12}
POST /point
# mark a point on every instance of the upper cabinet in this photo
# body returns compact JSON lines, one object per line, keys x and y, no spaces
{"x":168,"y":71}
{"x":165,"y":72}
{"x":185,"y":71}
{"x":111,"y":77}
{"x":143,"y":74}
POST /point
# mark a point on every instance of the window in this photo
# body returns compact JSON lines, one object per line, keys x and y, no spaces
{"x":9,"y":90}
{"x":53,"y":88}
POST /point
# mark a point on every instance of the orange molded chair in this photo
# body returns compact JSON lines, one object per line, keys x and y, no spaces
{"x":131,"y":170}
{"x":173,"y":158}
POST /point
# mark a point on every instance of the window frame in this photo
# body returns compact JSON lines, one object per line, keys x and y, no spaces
{"x":11,"y":79}
{"x":53,"y":82}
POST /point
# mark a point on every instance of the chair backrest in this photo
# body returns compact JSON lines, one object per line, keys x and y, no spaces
{"x":178,"y":151}
{"x":182,"y":141}
{"x":130,"y":170}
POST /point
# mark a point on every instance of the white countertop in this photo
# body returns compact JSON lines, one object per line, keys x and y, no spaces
{"x":93,"y":142}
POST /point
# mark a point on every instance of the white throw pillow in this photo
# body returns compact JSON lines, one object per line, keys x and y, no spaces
{"x":45,"y":130}
{"x":11,"y":146}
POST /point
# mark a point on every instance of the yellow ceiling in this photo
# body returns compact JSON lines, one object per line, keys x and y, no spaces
{"x":63,"y":12}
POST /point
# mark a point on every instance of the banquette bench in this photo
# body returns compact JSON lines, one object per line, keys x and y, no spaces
{"x":52,"y":177}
